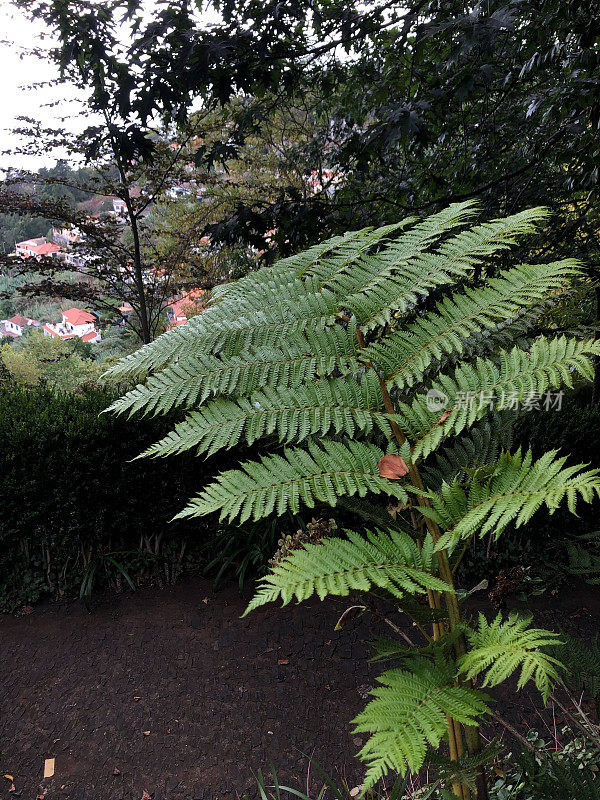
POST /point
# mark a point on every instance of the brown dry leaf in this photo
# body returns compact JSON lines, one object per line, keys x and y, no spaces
{"x":282,"y":661}
{"x":392,"y":467}
{"x":9,"y":777}
{"x":499,"y":772}
{"x":444,"y":417}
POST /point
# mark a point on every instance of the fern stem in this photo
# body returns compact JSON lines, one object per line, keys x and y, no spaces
{"x":455,"y":739}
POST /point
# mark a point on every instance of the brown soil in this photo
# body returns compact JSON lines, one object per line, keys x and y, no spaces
{"x":171,"y":693}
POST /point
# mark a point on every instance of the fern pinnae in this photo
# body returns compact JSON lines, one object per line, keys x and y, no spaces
{"x":405,"y":356}
{"x":475,"y":390}
{"x":503,"y":647}
{"x":509,"y":492}
{"x":387,"y":560}
{"x":277,"y":483}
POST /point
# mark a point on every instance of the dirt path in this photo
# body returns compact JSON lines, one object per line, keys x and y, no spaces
{"x":171,"y":693}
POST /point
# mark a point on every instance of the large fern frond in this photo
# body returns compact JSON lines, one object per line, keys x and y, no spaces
{"x":193,"y":380}
{"x":512,"y":490}
{"x":477,"y":389}
{"x":326,"y":406}
{"x":502,"y":647}
{"x":405,"y":356}
{"x":391,"y":290}
{"x":277,"y":483}
{"x":409,"y":712}
{"x":388,"y":560}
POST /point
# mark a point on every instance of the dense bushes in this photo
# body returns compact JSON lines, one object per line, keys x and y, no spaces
{"x":71,"y":496}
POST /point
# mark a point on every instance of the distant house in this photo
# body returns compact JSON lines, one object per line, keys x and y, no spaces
{"x":181,"y":309}
{"x":15,"y":326}
{"x":75,"y":322}
{"x":119,"y":207}
{"x":37,"y":248}
{"x":66,"y":236}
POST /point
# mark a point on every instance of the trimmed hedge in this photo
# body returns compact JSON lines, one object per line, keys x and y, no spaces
{"x":75,"y":507}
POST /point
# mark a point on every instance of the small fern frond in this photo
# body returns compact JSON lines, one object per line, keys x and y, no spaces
{"x":512,"y":490}
{"x":277,"y":483}
{"x":292,"y":415}
{"x":502,"y":647}
{"x":477,"y":389}
{"x":388,"y":560}
{"x":405,"y":356}
{"x":409,"y":713}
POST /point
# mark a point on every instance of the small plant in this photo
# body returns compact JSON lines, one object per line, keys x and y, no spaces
{"x":380,"y":363}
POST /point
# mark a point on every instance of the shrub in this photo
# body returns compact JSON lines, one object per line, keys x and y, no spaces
{"x":71,"y":496}
{"x":334,"y":358}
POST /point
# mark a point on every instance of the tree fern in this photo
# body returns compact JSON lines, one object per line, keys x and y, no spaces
{"x":337,"y":357}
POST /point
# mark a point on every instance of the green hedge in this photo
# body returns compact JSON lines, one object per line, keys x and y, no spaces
{"x":74,"y":506}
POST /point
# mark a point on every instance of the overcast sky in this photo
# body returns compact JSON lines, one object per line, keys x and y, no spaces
{"x":17,"y":70}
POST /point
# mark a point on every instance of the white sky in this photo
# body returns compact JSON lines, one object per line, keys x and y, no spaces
{"x":17,"y":70}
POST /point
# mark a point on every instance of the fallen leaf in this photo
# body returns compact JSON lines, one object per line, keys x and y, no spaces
{"x":116,"y":771}
{"x":137,"y":698}
{"x":392,"y":467}
{"x":499,"y":772}
{"x":444,"y":417}
{"x":12,"y":788}
{"x":356,"y":791}
{"x":146,"y":733}
{"x":145,"y":796}
{"x":281,"y":661}
{"x":205,"y":601}
{"x":9,"y":777}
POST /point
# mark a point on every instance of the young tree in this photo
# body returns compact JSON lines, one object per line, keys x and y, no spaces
{"x":330,"y":358}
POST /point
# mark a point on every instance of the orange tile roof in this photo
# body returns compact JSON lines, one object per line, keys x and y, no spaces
{"x":76,"y":316}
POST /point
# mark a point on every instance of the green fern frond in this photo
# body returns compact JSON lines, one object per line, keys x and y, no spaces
{"x":476,"y":389}
{"x":480,"y":447}
{"x":277,"y":483}
{"x":512,"y":490}
{"x":405,"y":356}
{"x":388,"y":560}
{"x":193,"y":380}
{"x":409,"y":713}
{"x":390,"y":290}
{"x":500,"y":648}
{"x":292,"y":415}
